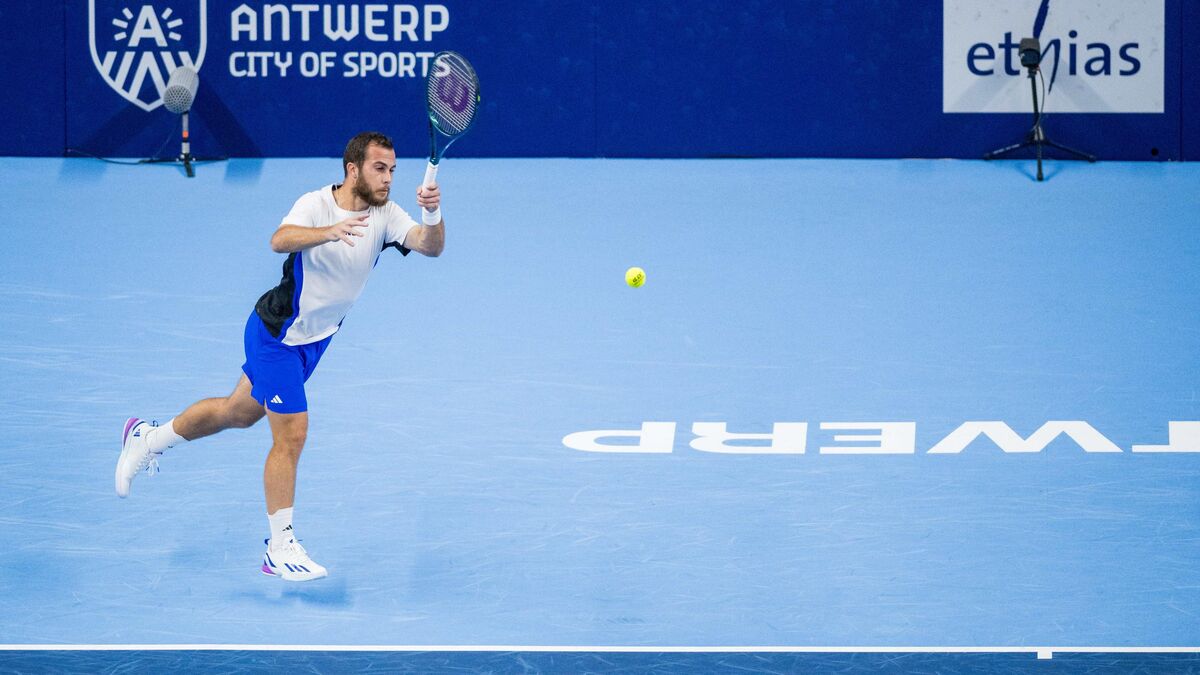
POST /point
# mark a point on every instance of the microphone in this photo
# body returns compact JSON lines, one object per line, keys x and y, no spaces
{"x":178,"y":97}
{"x":181,"y":89}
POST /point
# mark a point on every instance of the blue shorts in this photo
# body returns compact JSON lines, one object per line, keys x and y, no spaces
{"x":277,"y":372}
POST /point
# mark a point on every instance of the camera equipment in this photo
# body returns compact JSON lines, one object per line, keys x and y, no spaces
{"x":1030,"y":51}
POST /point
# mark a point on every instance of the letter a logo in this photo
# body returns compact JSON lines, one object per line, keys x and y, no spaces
{"x":136,"y":45}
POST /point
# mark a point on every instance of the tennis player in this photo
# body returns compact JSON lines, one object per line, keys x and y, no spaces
{"x":332,"y":237}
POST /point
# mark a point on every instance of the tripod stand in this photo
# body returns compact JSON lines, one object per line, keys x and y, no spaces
{"x":185,"y":156}
{"x":1036,"y":137}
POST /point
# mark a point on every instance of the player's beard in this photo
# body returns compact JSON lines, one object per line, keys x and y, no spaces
{"x":363,"y":192}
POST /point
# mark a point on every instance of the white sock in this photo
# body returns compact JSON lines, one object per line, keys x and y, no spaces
{"x":281,"y":527}
{"x":161,"y":438}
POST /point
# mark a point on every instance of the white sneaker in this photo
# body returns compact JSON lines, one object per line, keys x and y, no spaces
{"x":290,"y":562}
{"x":135,"y":454}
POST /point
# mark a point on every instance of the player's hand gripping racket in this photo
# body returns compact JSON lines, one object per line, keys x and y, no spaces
{"x":452,"y":93}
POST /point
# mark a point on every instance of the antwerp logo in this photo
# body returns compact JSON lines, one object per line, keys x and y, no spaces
{"x":136,"y":46}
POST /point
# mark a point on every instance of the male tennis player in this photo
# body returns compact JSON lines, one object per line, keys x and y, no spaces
{"x":333,"y":238}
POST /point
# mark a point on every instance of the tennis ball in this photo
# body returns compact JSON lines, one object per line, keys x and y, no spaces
{"x":635,"y":276}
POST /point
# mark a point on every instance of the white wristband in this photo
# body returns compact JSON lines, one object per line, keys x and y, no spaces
{"x":431,"y":217}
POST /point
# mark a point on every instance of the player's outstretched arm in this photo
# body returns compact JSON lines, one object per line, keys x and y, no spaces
{"x":428,"y":239}
{"x":293,"y":238}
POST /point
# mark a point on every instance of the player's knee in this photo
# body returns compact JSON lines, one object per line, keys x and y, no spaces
{"x":289,"y":442}
{"x":289,"y":450}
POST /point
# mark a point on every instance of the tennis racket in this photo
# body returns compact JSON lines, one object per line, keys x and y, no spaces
{"x":452,"y":99}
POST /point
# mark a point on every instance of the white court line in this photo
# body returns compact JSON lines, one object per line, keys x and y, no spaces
{"x":1040,"y":651}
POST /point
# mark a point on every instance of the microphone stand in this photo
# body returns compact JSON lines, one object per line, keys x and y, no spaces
{"x":185,"y":156}
{"x":1036,"y":137}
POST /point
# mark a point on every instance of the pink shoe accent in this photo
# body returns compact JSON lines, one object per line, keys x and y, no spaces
{"x":267,"y":571}
{"x":129,"y":424}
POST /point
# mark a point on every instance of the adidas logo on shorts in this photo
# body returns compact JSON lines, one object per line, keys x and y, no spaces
{"x":276,"y":399}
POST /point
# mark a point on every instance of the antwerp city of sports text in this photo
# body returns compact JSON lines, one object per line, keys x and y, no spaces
{"x":333,"y":26}
{"x":869,"y":438}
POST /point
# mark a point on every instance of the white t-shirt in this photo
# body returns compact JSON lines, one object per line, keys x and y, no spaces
{"x":321,"y":283}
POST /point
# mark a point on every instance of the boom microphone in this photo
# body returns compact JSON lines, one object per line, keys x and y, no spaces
{"x":181,"y":90}
{"x":178,"y":97}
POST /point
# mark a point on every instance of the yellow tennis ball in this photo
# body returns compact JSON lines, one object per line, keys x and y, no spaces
{"x":635,"y":276}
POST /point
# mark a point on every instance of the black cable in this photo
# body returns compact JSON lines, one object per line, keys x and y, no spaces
{"x":74,"y":151}
{"x":154,"y":159}
{"x":85,"y":154}
{"x":1042,"y":109}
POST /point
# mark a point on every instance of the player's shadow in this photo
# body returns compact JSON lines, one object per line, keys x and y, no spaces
{"x":322,"y":592}
{"x":327,"y":592}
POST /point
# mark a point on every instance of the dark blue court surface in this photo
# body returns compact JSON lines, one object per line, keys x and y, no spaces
{"x":892,"y":306}
{"x":606,"y":663}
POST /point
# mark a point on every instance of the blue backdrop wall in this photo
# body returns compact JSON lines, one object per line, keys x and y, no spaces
{"x":579,"y":78}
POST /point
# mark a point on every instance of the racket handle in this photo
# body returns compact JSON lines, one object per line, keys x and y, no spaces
{"x":426,"y":215}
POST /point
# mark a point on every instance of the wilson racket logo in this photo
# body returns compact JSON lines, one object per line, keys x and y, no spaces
{"x":135,"y":47}
{"x":453,"y":92}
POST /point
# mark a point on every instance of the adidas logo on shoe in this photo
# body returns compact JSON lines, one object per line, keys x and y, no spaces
{"x":135,"y":456}
{"x":290,"y":562}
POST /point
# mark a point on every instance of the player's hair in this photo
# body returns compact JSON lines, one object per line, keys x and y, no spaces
{"x":356,"y":149}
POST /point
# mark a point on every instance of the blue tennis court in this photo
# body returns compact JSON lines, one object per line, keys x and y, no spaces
{"x":892,"y":307}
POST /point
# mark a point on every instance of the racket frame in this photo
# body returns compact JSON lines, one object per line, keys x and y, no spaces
{"x":435,"y":155}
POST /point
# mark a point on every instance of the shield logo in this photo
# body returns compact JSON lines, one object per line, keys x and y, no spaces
{"x":137,"y":44}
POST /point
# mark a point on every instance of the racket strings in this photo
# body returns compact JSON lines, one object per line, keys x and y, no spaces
{"x":453,"y":95}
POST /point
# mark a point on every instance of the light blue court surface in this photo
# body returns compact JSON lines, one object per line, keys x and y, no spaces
{"x":436,"y":485}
